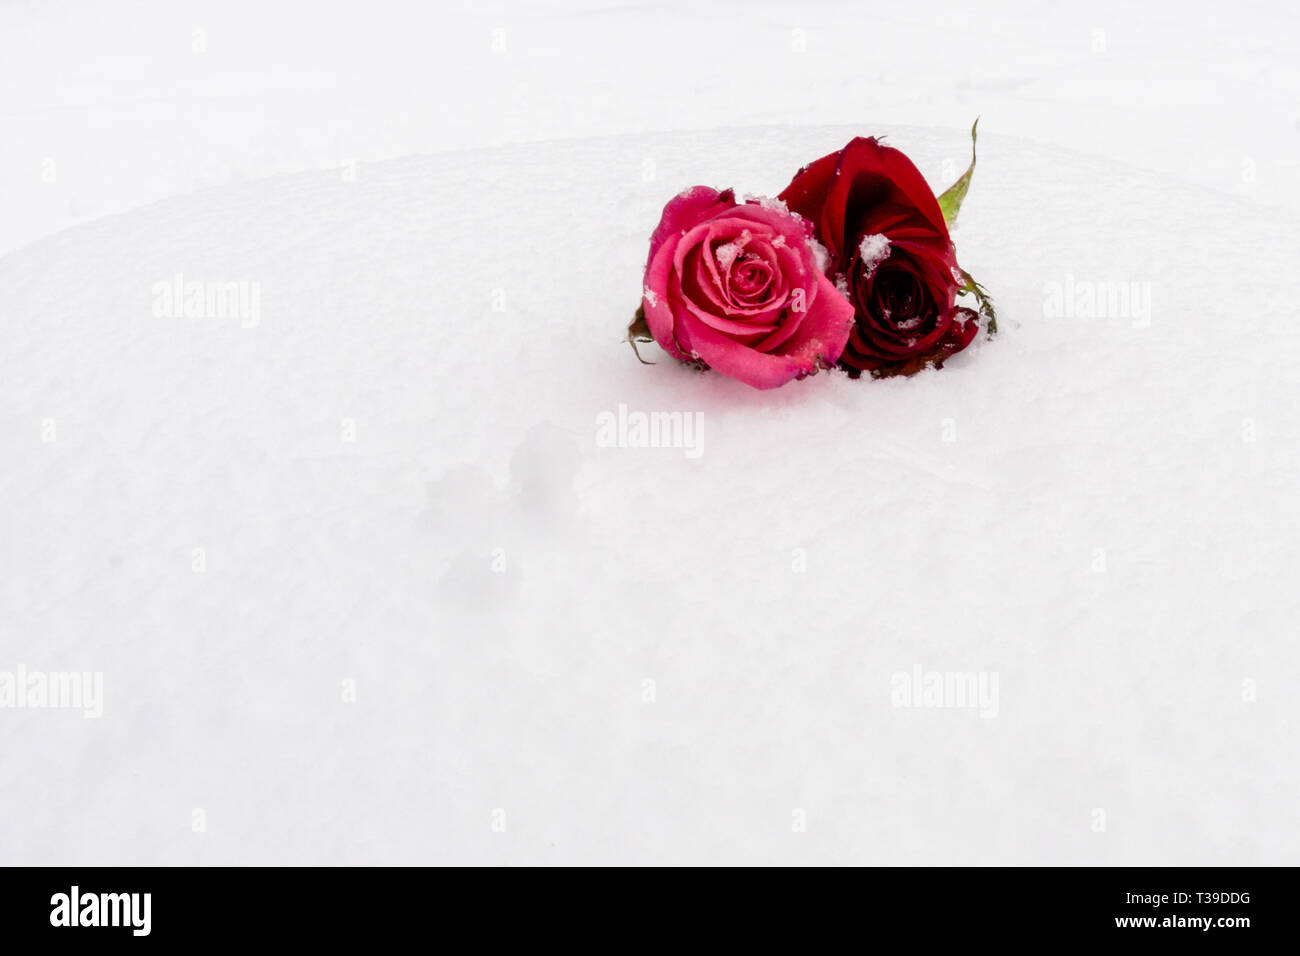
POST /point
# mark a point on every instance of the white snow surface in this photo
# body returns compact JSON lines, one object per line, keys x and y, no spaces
{"x":566,"y":653}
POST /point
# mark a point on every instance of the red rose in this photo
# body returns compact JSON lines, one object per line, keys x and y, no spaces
{"x":890,"y":252}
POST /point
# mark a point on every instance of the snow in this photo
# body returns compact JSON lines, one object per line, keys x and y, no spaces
{"x":769,"y":202}
{"x":872,"y":251}
{"x":820,"y":255}
{"x":726,"y":253}
{"x":364,"y":583}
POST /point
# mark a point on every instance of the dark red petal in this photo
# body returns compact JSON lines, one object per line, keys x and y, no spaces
{"x":806,"y":194}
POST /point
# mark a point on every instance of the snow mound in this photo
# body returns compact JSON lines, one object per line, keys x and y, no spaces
{"x":387,"y":480}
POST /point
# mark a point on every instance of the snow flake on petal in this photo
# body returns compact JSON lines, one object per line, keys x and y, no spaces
{"x":819,"y":253}
{"x":651,"y":299}
{"x":726,"y":254}
{"x":769,"y":202}
{"x":874,"y":250}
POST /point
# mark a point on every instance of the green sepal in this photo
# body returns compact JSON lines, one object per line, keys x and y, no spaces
{"x":639,"y":331}
{"x":982,"y":298}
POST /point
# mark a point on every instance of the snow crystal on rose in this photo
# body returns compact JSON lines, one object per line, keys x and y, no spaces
{"x":819,"y":253}
{"x":873,"y":250}
{"x":769,"y":202}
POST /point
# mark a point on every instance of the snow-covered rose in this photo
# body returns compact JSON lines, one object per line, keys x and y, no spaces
{"x":890,"y":250}
{"x":738,"y":287}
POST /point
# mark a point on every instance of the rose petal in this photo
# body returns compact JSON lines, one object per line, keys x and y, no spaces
{"x":686,"y":210}
{"x":806,"y":194}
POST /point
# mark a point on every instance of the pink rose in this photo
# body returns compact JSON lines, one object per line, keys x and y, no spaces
{"x":737,"y":286}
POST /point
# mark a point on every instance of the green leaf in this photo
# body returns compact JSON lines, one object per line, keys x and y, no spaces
{"x":950,"y":201}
